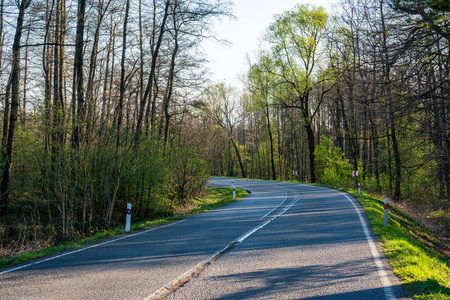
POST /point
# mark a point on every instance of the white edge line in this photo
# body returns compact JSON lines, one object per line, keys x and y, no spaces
{"x":241,"y":187}
{"x":89,"y":247}
{"x":382,"y":273}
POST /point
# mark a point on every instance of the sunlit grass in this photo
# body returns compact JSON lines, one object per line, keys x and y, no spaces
{"x":214,"y":198}
{"x":424,"y":271}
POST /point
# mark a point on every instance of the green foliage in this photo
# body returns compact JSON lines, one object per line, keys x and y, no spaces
{"x":146,"y":179}
{"x":332,"y":167}
{"x":419,"y":171}
{"x":62,"y":194}
{"x":296,"y":37}
{"x":189,"y":173}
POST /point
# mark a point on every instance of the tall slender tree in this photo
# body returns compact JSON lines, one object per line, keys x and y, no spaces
{"x":8,"y":148}
{"x":78,"y":98}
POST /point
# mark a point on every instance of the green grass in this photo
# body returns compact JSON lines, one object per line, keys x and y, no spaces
{"x":215,"y":197}
{"x":409,"y":248}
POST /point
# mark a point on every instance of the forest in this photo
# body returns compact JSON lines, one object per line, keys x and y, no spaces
{"x":107,"y":102}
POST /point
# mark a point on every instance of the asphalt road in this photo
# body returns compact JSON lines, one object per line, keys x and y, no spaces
{"x":283,"y":241}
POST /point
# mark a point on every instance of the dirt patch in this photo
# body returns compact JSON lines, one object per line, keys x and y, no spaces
{"x":436,"y":218}
{"x":186,"y":208}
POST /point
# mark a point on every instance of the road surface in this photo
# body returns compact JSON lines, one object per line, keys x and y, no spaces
{"x":283,"y":241}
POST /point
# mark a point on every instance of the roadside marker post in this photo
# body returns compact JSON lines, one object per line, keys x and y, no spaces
{"x":234,"y":189}
{"x":359,"y":189}
{"x":386,"y":211}
{"x":128,"y":223}
{"x":295,"y":174}
{"x":306,"y":178}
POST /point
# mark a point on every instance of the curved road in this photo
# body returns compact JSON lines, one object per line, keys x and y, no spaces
{"x":283,"y":241}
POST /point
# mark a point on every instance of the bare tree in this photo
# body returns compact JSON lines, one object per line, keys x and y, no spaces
{"x":221,"y":104}
{"x":8,"y":148}
{"x":78,"y":100}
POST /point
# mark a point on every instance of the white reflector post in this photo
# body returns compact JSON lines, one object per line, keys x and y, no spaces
{"x":386,"y":211}
{"x":128,"y":223}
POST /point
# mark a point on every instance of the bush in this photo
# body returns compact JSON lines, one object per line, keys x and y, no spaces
{"x":190,"y":173}
{"x":331,"y":165}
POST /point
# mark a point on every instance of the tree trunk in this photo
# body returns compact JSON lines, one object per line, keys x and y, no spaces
{"x":375,"y":149}
{"x":2,"y":8}
{"x":310,"y":135}
{"x":25,"y":80}
{"x":106,"y":99}
{"x":119,"y":116}
{"x":311,"y":147}
{"x":91,"y":100}
{"x":388,"y":96}
{"x":46,"y":61}
{"x":169,"y":89}
{"x":244,"y":175}
{"x":141,"y":60}
{"x":8,"y":149}
{"x":6,"y":111}
{"x":79,"y":114}
{"x":269,"y":129}
{"x":447,"y":177}
{"x":398,"y":174}
{"x":148,"y":90}
{"x":58,"y":105}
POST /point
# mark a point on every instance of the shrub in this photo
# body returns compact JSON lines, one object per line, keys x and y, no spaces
{"x":331,"y":165}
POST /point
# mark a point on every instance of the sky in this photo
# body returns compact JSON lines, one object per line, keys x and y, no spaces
{"x":229,"y":62}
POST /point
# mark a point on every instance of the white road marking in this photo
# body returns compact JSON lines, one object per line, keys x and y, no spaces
{"x":90,"y":247}
{"x":377,"y":258}
{"x":275,"y":207}
{"x":185,"y":276}
{"x":238,"y":186}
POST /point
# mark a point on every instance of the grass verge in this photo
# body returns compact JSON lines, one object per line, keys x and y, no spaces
{"x":409,"y":247}
{"x":215,"y":197}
